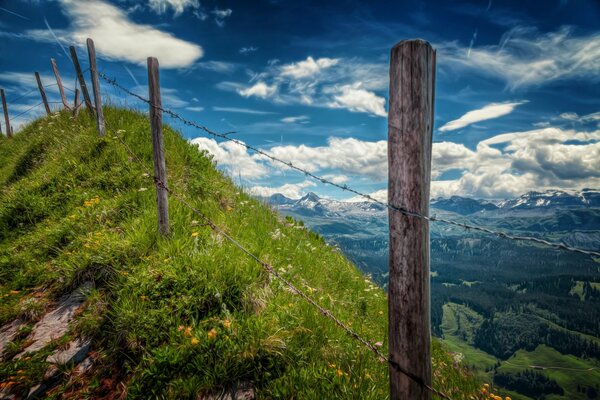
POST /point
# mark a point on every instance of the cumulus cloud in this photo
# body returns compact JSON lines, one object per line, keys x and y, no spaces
{"x":117,"y":37}
{"x":234,"y":158}
{"x":259,"y":89}
{"x":308,"y":67}
{"x":290,"y":190}
{"x":504,"y":165}
{"x":355,"y":99}
{"x":178,"y":6}
{"x":490,"y":111}
{"x":526,"y":57}
{"x":352,"y":84}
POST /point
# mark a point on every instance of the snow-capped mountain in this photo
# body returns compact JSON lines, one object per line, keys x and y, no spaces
{"x":554,"y":199}
{"x":311,"y":204}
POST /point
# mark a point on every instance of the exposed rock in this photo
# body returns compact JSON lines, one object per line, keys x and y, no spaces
{"x":56,"y":323}
{"x":244,"y":391}
{"x":75,"y":353}
{"x":8,"y":333}
{"x":84,"y":366}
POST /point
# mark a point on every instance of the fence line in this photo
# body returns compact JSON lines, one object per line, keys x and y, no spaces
{"x":271,"y":270}
{"x":402,"y":210}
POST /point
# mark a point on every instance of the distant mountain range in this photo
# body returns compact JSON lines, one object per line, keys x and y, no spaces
{"x":311,"y":204}
{"x":360,"y":229}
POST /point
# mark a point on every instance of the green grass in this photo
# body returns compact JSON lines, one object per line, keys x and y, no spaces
{"x":567,"y":378}
{"x":188,"y":314}
{"x":459,"y":324}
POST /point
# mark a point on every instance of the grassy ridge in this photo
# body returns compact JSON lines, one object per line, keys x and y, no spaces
{"x":185,"y":315}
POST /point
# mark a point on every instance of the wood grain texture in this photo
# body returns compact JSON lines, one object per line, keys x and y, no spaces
{"x":410,"y":123}
{"x":96,"y":88}
{"x":61,"y":89}
{"x":42,"y":92}
{"x":76,"y":103}
{"x":158,"y":147}
{"x":82,"y":84}
{"x":9,"y":131}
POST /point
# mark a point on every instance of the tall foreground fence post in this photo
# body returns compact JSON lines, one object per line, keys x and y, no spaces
{"x":80,"y":78}
{"x":6,"y":119}
{"x":158,"y":147}
{"x":96,"y":88}
{"x":410,"y":123}
{"x":42,"y":92}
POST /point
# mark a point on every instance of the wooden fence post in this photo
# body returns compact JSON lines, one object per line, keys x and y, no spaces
{"x":96,"y":88}
{"x":42,"y":93}
{"x":59,"y":83}
{"x":410,"y":124}
{"x":76,"y":103}
{"x":158,"y":147}
{"x":80,"y":78}
{"x":6,"y":119}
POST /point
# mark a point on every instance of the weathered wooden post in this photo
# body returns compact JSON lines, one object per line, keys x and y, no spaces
{"x":80,"y":78}
{"x":158,"y":147}
{"x":96,"y":88}
{"x":6,"y":119}
{"x":42,"y":93}
{"x":76,"y":103}
{"x":59,"y":84}
{"x":410,"y":124}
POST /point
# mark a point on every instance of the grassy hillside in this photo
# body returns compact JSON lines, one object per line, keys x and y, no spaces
{"x":182,"y":316}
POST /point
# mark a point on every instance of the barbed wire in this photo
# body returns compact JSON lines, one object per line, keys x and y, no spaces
{"x":272,"y":271}
{"x":344,"y":187}
{"x":28,"y":110}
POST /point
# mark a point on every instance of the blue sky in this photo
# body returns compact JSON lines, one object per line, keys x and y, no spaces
{"x":517,"y":83}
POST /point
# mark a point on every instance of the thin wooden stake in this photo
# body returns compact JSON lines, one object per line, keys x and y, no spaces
{"x":96,"y":88}
{"x":76,"y":104}
{"x":80,"y":78}
{"x":60,"y":85}
{"x":6,"y":119}
{"x":410,"y":123}
{"x":42,"y":93}
{"x":158,"y":147}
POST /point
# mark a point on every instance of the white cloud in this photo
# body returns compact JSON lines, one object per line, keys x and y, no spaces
{"x":259,"y":89}
{"x":216,"y":66}
{"x":490,"y":111}
{"x":234,"y":158}
{"x":220,"y":15}
{"x":178,"y":6}
{"x":380,"y":195}
{"x":248,"y":50}
{"x":117,"y":37}
{"x":526,"y":57}
{"x":308,"y":67}
{"x":195,"y":109}
{"x":289,"y":190}
{"x":323,"y":82}
{"x":571,"y":116}
{"x":356,"y":99}
{"x":302,"y":119}
{"x":242,"y":110}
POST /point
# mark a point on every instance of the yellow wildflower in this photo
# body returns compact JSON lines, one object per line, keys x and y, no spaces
{"x":188,"y":331}
{"x":194,"y":234}
{"x":227,"y":324}
{"x":339,"y":372}
{"x":212,"y":333}
{"x":195,"y":341}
